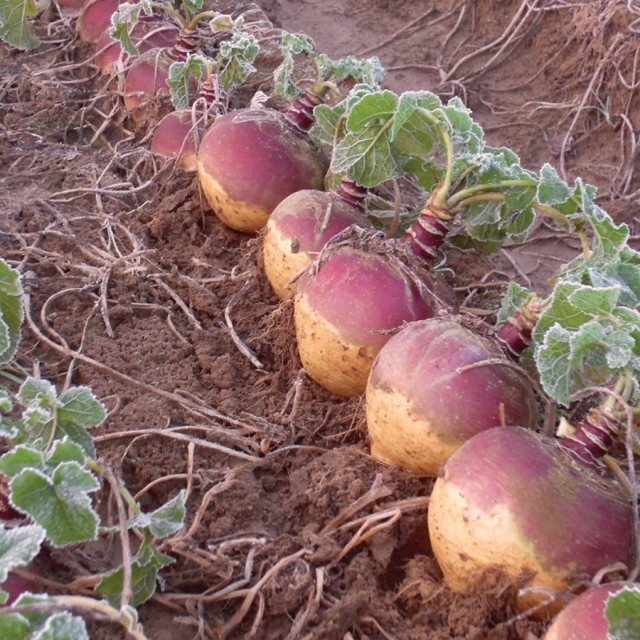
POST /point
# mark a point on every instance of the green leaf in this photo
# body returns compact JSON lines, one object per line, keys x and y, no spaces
{"x":519,"y":223}
{"x":78,"y":406}
{"x":14,"y":25}
{"x":326,"y":121}
{"x":234,"y":60}
{"x":6,"y":403}
{"x":78,"y":410}
{"x":551,"y":188}
{"x":62,"y":626}
{"x":609,"y":238}
{"x":37,"y":392}
{"x":327,"y":118}
{"x":43,"y":624}
{"x":282,"y":79}
{"x":583,"y":338}
{"x":11,"y":312}
{"x":19,"y":458}
{"x":65,"y":451}
{"x":145,"y":567}
{"x":123,"y":19}
{"x":47,"y":417}
{"x":192,"y":6}
{"x":165,"y":520}
{"x":365,"y":153}
{"x":552,"y":360}
{"x":221,"y":22}
{"x":515,"y":296}
{"x":412,"y":132}
{"x":427,"y":172}
{"x":180,"y":78}
{"x":367,"y":71}
{"x":15,"y":627}
{"x":374,"y":110}
{"x":18,"y":547}
{"x":623,"y":614}
{"x":59,"y":503}
{"x":297,"y":43}
{"x":292,"y":44}
{"x":494,"y":205}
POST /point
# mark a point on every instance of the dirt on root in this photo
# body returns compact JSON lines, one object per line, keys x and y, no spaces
{"x":137,"y":290}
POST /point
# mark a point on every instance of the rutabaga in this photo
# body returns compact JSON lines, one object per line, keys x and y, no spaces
{"x":506,"y":500}
{"x":379,"y":136}
{"x":251,"y":159}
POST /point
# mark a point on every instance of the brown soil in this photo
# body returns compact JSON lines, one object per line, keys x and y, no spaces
{"x":141,"y":280}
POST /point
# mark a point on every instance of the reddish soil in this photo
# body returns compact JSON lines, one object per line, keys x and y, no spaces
{"x":142,"y":280}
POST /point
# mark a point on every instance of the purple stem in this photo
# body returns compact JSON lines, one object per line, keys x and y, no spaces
{"x":351,"y":193}
{"x":186,"y":43}
{"x":593,"y":438}
{"x":427,"y":233}
{"x":300,"y":112}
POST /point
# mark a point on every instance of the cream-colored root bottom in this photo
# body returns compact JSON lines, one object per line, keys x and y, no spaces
{"x":478,"y":549}
{"x":281,"y":265}
{"x":241,"y":216}
{"x":553,"y":634}
{"x":334,"y":364}
{"x":399,"y":437}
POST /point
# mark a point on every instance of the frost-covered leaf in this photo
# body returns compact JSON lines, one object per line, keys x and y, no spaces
{"x":427,"y":172}
{"x":6,"y":402}
{"x":60,"y":502}
{"x":608,"y":237}
{"x":624,"y":276}
{"x":292,"y":44}
{"x":365,"y":150}
{"x":34,"y":391}
{"x":192,"y":6}
{"x":47,"y":417}
{"x":79,"y":406}
{"x":465,"y":132}
{"x":123,"y":19}
{"x":551,"y":188}
{"x":15,"y":29}
{"x":297,"y":43}
{"x":165,"y":520}
{"x":19,"y":458}
{"x":14,"y":627}
{"x":235,"y":59}
{"x":553,"y":363}
{"x":42,"y":624}
{"x":367,"y":159}
{"x":327,"y":119}
{"x":18,"y":547}
{"x":222,"y":22}
{"x":514,"y":297}
{"x":621,"y":346}
{"x":65,"y":451}
{"x":412,"y":132}
{"x":583,"y":338}
{"x":367,"y":71}
{"x":623,"y":614}
{"x":62,"y":626}
{"x":519,"y":223}
{"x":283,"y":79}
{"x":326,"y":122}
{"x":11,"y":312}
{"x":181,"y":76}
{"x":145,"y":567}
{"x":573,"y":304}
{"x":496,"y":198}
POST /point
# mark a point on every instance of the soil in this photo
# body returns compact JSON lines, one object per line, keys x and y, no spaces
{"x":133,"y":285}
